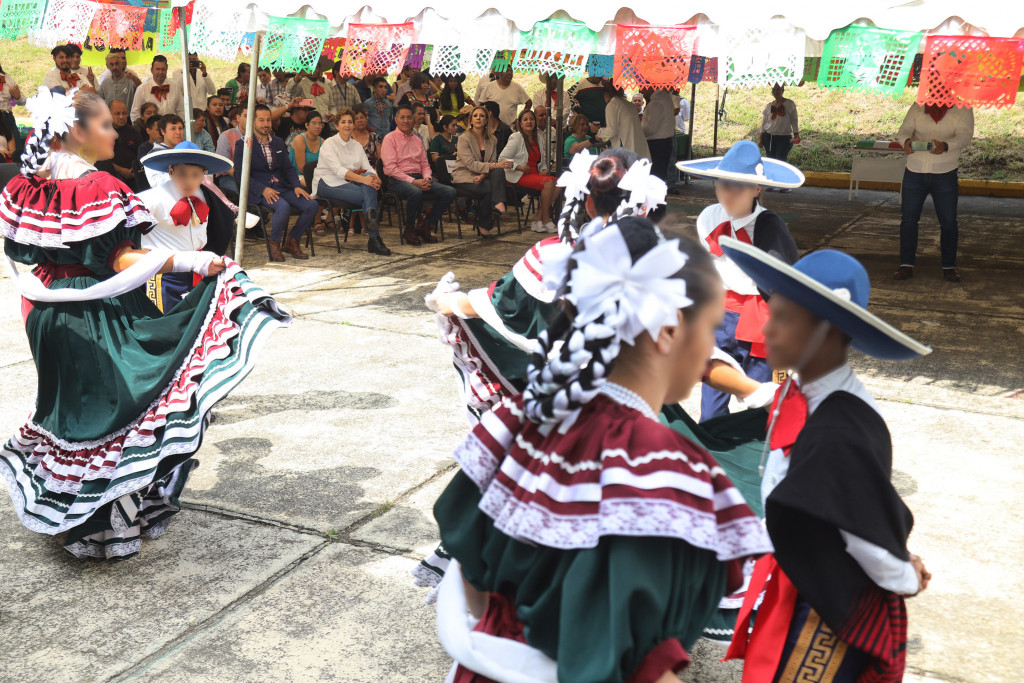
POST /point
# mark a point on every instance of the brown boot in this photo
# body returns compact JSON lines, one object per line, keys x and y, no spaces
{"x":291,"y":246}
{"x":275,"y":252}
{"x":412,"y":237}
{"x":424,"y":229}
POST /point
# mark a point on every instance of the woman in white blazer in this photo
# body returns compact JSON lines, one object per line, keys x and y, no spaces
{"x":532,"y":164}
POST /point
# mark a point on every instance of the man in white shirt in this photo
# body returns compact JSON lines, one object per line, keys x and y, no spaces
{"x":200,"y":85}
{"x":158,"y":90}
{"x":508,"y":95}
{"x":316,"y":87}
{"x":934,"y":173}
{"x":63,"y":74}
{"x":659,"y":129}
{"x":132,"y":76}
{"x":683,"y":116}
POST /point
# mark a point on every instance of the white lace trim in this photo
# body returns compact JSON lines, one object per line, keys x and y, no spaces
{"x":88,"y":550}
{"x":476,"y":460}
{"x":469,"y":359}
{"x":643,"y":517}
{"x":628,"y":398}
{"x":140,"y":215}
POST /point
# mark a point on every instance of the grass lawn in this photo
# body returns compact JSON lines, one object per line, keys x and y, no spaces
{"x":831,"y":121}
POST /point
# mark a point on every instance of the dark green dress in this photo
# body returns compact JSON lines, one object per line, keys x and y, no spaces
{"x":97,"y":457}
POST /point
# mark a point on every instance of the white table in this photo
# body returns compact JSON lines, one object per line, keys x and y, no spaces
{"x":877,"y":165}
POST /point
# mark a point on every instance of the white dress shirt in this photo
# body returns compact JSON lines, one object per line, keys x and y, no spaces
{"x":658,"y":121}
{"x":783,"y":124}
{"x":199,"y":88}
{"x":53,"y":78}
{"x":172,"y":104}
{"x":160,"y":199}
{"x":337,"y":157}
{"x":956,"y":129}
{"x":683,"y":117}
{"x":885,"y":569}
{"x":623,"y":128}
{"x":734,"y":279}
{"x":5,"y":93}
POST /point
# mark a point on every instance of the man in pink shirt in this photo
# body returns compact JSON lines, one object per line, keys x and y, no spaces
{"x":407,"y":174}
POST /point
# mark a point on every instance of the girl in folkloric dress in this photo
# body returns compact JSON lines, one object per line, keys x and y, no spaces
{"x":591,"y":542}
{"x":97,"y":458}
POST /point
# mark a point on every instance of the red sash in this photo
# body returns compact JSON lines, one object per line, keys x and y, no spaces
{"x":768,"y":637}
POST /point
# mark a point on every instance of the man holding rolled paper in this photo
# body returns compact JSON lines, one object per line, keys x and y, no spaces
{"x":932,"y":137}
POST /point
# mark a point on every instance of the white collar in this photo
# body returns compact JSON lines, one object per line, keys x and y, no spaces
{"x":740,"y":223}
{"x":842,"y":378}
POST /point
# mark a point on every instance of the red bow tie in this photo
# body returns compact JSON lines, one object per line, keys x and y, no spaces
{"x":3,"y":81}
{"x":71,"y":79}
{"x":181,"y":212}
{"x":791,"y":420}
{"x":317,"y":89}
{"x":160,"y":91}
{"x":779,"y":110}
{"x":724,"y":230}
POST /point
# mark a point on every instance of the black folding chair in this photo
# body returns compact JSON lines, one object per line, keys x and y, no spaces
{"x":346,"y":208}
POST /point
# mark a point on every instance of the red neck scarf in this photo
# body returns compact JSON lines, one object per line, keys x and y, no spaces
{"x":181,"y":212}
{"x":791,"y":420}
{"x":160,"y":91}
{"x":724,"y":230}
{"x":937,"y":112}
{"x":71,"y":78}
{"x":778,"y":110}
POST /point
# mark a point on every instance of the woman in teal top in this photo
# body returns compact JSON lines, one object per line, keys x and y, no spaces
{"x":578,"y":141}
{"x":305,"y":148}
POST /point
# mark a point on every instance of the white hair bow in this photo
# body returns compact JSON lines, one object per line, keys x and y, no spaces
{"x":575,"y":179}
{"x":647,"y":295}
{"x":56,"y":108}
{"x":646,"y":191}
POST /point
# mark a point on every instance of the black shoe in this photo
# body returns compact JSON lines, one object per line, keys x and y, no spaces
{"x":950,"y":275}
{"x":903,"y":273}
{"x":376,"y":246}
{"x":255,"y":234}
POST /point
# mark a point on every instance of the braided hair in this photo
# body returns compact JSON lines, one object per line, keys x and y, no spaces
{"x":560,"y":385}
{"x":37,"y":146}
{"x":603,"y":189}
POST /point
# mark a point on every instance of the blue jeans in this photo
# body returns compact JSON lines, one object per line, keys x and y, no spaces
{"x":282,"y":213}
{"x":945,"y":192}
{"x":350,"y":193}
{"x":778,"y":146}
{"x":713,"y":402}
{"x":443,"y":196}
{"x":227,"y":183}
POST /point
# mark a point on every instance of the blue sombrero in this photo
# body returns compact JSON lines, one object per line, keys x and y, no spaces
{"x":833,"y":286}
{"x":186,"y":153}
{"x":743,"y":164}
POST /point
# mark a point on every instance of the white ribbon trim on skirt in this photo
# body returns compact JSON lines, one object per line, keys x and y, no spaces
{"x":500,"y":659}
{"x":128,"y":279}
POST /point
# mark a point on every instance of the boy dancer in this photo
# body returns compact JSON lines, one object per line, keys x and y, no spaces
{"x":835,"y":585}
{"x":739,"y":177}
{"x":189,"y":216}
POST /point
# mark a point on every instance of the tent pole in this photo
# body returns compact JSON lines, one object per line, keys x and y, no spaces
{"x":559,"y":125}
{"x":693,"y":99}
{"x":187,"y":95}
{"x":250,"y":117}
{"x":718,"y":95}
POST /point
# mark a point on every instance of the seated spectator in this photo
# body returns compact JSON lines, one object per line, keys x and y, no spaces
{"x":263,"y":80}
{"x":118,"y":86}
{"x":444,"y":147}
{"x":306,"y":147}
{"x":344,"y":174}
{"x":498,"y":128}
{"x":343,"y":95}
{"x":587,"y":98}
{"x":622,"y":122}
{"x":659,"y":126}
{"x":478,"y":172}
{"x":274,"y":183}
{"x":124,"y":163}
{"x":402,"y":82}
{"x":417,"y":93}
{"x":409,"y":176}
{"x":10,"y":93}
{"x":379,"y":108}
{"x":452,"y":98}
{"x":365,"y":136}
{"x":421,"y":124}
{"x":226,"y":147}
{"x":280,"y":89}
{"x":508,"y":94}
{"x":157,"y":89}
{"x":547,"y":131}
{"x":215,"y":121}
{"x":580,"y":140}
{"x":239,"y":85}
{"x":63,"y":74}
{"x":315,"y":86}
{"x":530,"y":168}
{"x":289,"y":121}
{"x":199,"y":135}
{"x":172,"y":133}
{"x":200,"y":85}
{"x":148,"y":111}
{"x":153,"y":136}
{"x":8,"y":143}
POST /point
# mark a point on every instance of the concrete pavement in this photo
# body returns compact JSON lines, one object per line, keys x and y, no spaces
{"x":312,"y":501}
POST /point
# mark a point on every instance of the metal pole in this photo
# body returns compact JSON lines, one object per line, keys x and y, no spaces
{"x":187,"y":95}
{"x":560,"y":124}
{"x":693,"y":100}
{"x":714,"y":148}
{"x":250,"y":116}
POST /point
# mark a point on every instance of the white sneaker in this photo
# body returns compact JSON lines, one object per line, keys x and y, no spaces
{"x":537,"y":226}
{"x":551,"y":227}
